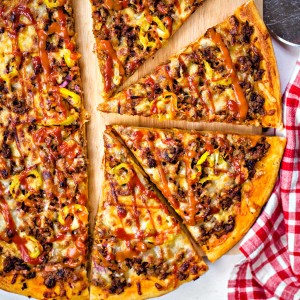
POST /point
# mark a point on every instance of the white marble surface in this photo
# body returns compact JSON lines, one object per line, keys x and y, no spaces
{"x":213,"y":284}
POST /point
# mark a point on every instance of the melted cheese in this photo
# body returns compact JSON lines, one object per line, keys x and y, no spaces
{"x":2,"y":223}
{"x":135,"y":225}
{"x":27,"y":39}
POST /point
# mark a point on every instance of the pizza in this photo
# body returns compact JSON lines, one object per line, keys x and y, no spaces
{"x":43,"y":217}
{"x":140,"y":250}
{"x":129,"y":32}
{"x":43,"y":167}
{"x":228,"y":75}
{"x":39,"y":74}
{"x":216,"y":182}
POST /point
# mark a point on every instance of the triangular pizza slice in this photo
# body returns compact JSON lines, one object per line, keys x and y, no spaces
{"x":140,"y":250}
{"x":129,"y":32}
{"x":228,"y":75}
{"x":216,"y":182}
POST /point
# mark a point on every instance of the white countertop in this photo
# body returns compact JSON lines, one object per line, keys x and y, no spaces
{"x":213,"y":284}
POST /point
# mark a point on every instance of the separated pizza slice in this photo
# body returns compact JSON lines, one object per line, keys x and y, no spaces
{"x":216,"y":182}
{"x":39,"y":74}
{"x":140,"y":250}
{"x":43,"y":169}
{"x":43,"y":213}
{"x":129,"y":32}
{"x":228,"y":75}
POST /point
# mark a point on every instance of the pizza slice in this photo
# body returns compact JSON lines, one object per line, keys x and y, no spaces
{"x":140,"y":250}
{"x":228,"y":75}
{"x":216,"y":182}
{"x":39,"y":73}
{"x":43,"y":213}
{"x":129,"y":32}
{"x":43,"y":168}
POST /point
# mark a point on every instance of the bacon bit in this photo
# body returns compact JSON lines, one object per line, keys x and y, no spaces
{"x":122,"y":212}
{"x":139,"y":290}
{"x":162,"y":9}
{"x":14,"y":279}
{"x":233,"y":106}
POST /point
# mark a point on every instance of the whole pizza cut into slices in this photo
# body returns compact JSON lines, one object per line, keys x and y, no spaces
{"x":140,"y":250}
{"x":128,"y":32}
{"x":216,"y":182}
{"x":43,"y":167}
{"x":228,"y":75}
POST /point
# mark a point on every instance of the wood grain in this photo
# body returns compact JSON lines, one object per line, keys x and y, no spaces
{"x":211,"y":13}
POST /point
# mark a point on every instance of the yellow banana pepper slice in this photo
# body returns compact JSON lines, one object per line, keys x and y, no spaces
{"x":159,"y":104}
{"x":33,"y":181}
{"x":54,"y":3}
{"x":8,"y":77}
{"x":201,"y":160}
{"x":75,"y":99}
{"x":33,"y":246}
{"x":79,"y":213}
{"x":124,"y":176}
{"x":210,"y":177}
{"x":163,"y":31}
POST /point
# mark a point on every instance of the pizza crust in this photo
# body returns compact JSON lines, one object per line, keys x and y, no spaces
{"x":148,"y":289}
{"x":255,"y":194}
{"x":270,"y":83}
{"x":36,"y":288}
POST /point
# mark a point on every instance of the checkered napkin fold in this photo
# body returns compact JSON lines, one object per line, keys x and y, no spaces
{"x":271,"y":267}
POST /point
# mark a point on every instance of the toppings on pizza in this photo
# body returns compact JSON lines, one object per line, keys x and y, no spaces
{"x":43,"y":168}
{"x":39,"y":76}
{"x":43,"y":217}
{"x":129,"y":32}
{"x":139,"y":249}
{"x":210,"y":179}
{"x":228,"y":75}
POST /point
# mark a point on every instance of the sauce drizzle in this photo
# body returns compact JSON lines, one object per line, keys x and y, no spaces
{"x":19,"y":241}
{"x":109,"y":70}
{"x":239,"y":94}
{"x":190,"y":218}
{"x":163,"y":177}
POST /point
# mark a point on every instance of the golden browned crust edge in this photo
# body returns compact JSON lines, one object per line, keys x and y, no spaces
{"x":101,"y":58}
{"x":248,"y":12}
{"x":260,"y":189}
{"x":101,"y":63}
{"x":147,"y":288}
{"x":36,"y":288}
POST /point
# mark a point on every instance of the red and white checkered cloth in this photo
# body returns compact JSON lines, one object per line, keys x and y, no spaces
{"x":271,"y":267}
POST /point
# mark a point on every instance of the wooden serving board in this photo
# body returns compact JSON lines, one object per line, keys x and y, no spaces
{"x":208,"y":15}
